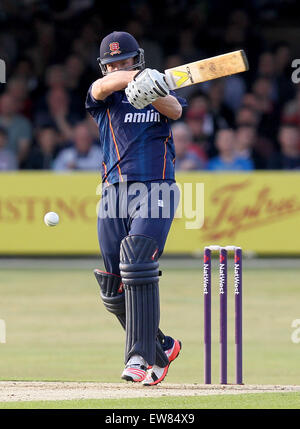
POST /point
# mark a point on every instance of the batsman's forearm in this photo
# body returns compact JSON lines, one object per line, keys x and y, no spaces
{"x":168,"y":106}
{"x":115,"y":81}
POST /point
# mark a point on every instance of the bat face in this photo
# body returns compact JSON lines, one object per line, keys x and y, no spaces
{"x":207,"y":69}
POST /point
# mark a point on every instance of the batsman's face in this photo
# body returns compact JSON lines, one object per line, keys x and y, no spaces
{"x":120,"y":65}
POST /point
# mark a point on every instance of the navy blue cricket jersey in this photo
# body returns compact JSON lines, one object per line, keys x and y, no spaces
{"x":137,"y":145}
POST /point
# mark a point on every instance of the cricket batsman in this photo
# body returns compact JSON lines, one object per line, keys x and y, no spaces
{"x":132,"y":106}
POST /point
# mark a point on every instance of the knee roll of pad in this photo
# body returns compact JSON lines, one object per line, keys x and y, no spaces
{"x":111,"y":292}
{"x":138,"y":260}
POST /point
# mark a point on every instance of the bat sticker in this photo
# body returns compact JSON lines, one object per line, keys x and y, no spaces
{"x":183,"y":77}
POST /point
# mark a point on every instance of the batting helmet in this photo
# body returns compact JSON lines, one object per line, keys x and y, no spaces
{"x":117,"y":46}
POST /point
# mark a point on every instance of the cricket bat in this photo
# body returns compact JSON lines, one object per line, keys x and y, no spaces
{"x":207,"y":69}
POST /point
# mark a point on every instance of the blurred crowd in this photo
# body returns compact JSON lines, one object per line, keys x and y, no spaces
{"x":249,"y":121}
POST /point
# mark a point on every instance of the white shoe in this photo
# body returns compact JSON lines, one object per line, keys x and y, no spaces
{"x":156,"y":374}
{"x":135,"y":369}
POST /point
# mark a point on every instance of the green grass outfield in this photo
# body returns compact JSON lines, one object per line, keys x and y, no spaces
{"x":58,"y":330}
{"x":244,"y":401}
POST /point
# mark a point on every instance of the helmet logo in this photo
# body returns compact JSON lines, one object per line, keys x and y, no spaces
{"x":114,"y":48}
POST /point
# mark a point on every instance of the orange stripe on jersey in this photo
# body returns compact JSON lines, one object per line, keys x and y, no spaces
{"x":105,"y":172}
{"x":165,"y":156}
{"x":115,"y":143}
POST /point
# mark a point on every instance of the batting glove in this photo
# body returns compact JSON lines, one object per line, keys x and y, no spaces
{"x":146,"y":87}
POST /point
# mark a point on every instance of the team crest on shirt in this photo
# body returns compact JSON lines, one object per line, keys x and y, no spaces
{"x":114,"y":48}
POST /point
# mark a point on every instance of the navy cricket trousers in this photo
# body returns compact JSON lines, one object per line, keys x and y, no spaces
{"x":144,"y":208}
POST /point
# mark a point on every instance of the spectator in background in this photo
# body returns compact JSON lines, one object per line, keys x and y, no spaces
{"x":291,"y":110}
{"x":283,"y":61}
{"x":56,"y":78}
{"x":250,"y":101}
{"x":44,"y":49}
{"x":188,"y":157}
{"x":24,"y":69}
{"x":195,"y":118}
{"x":234,"y":89}
{"x":227,"y":160}
{"x":200,"y":121}
{"x":262,"y":90}
{"x":196,"y":19}
{"x":42,"y":155}
{"x":259,"y":100}
{"x":8,"y":46}
{"x":247,"y":116}
{"x":17,"y":88}
{"x":246,"y":139}
{"x":173,"y":60}
{"x":187,"y":47}
{"x":8,"y":160}
{"x":87,"y":52}
{"x":222,"y":114}
{"x":226,"y":92}
{"x":59,"y":114}
{"x":234,"y":36}
{"x":266,"y":69}
{"x":18,"y":128}
{"x":78,"y":77}
{"x":289,"y":156}
{"x":240,"y":33}
{"x":207,"y":114}
{"x":74,"y":68}
{"x":86,"y":45}
{"x":266,"y":107}
{"x":83,"y":156}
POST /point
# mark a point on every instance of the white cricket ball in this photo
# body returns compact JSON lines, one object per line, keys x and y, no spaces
{"x":51,"y":219}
